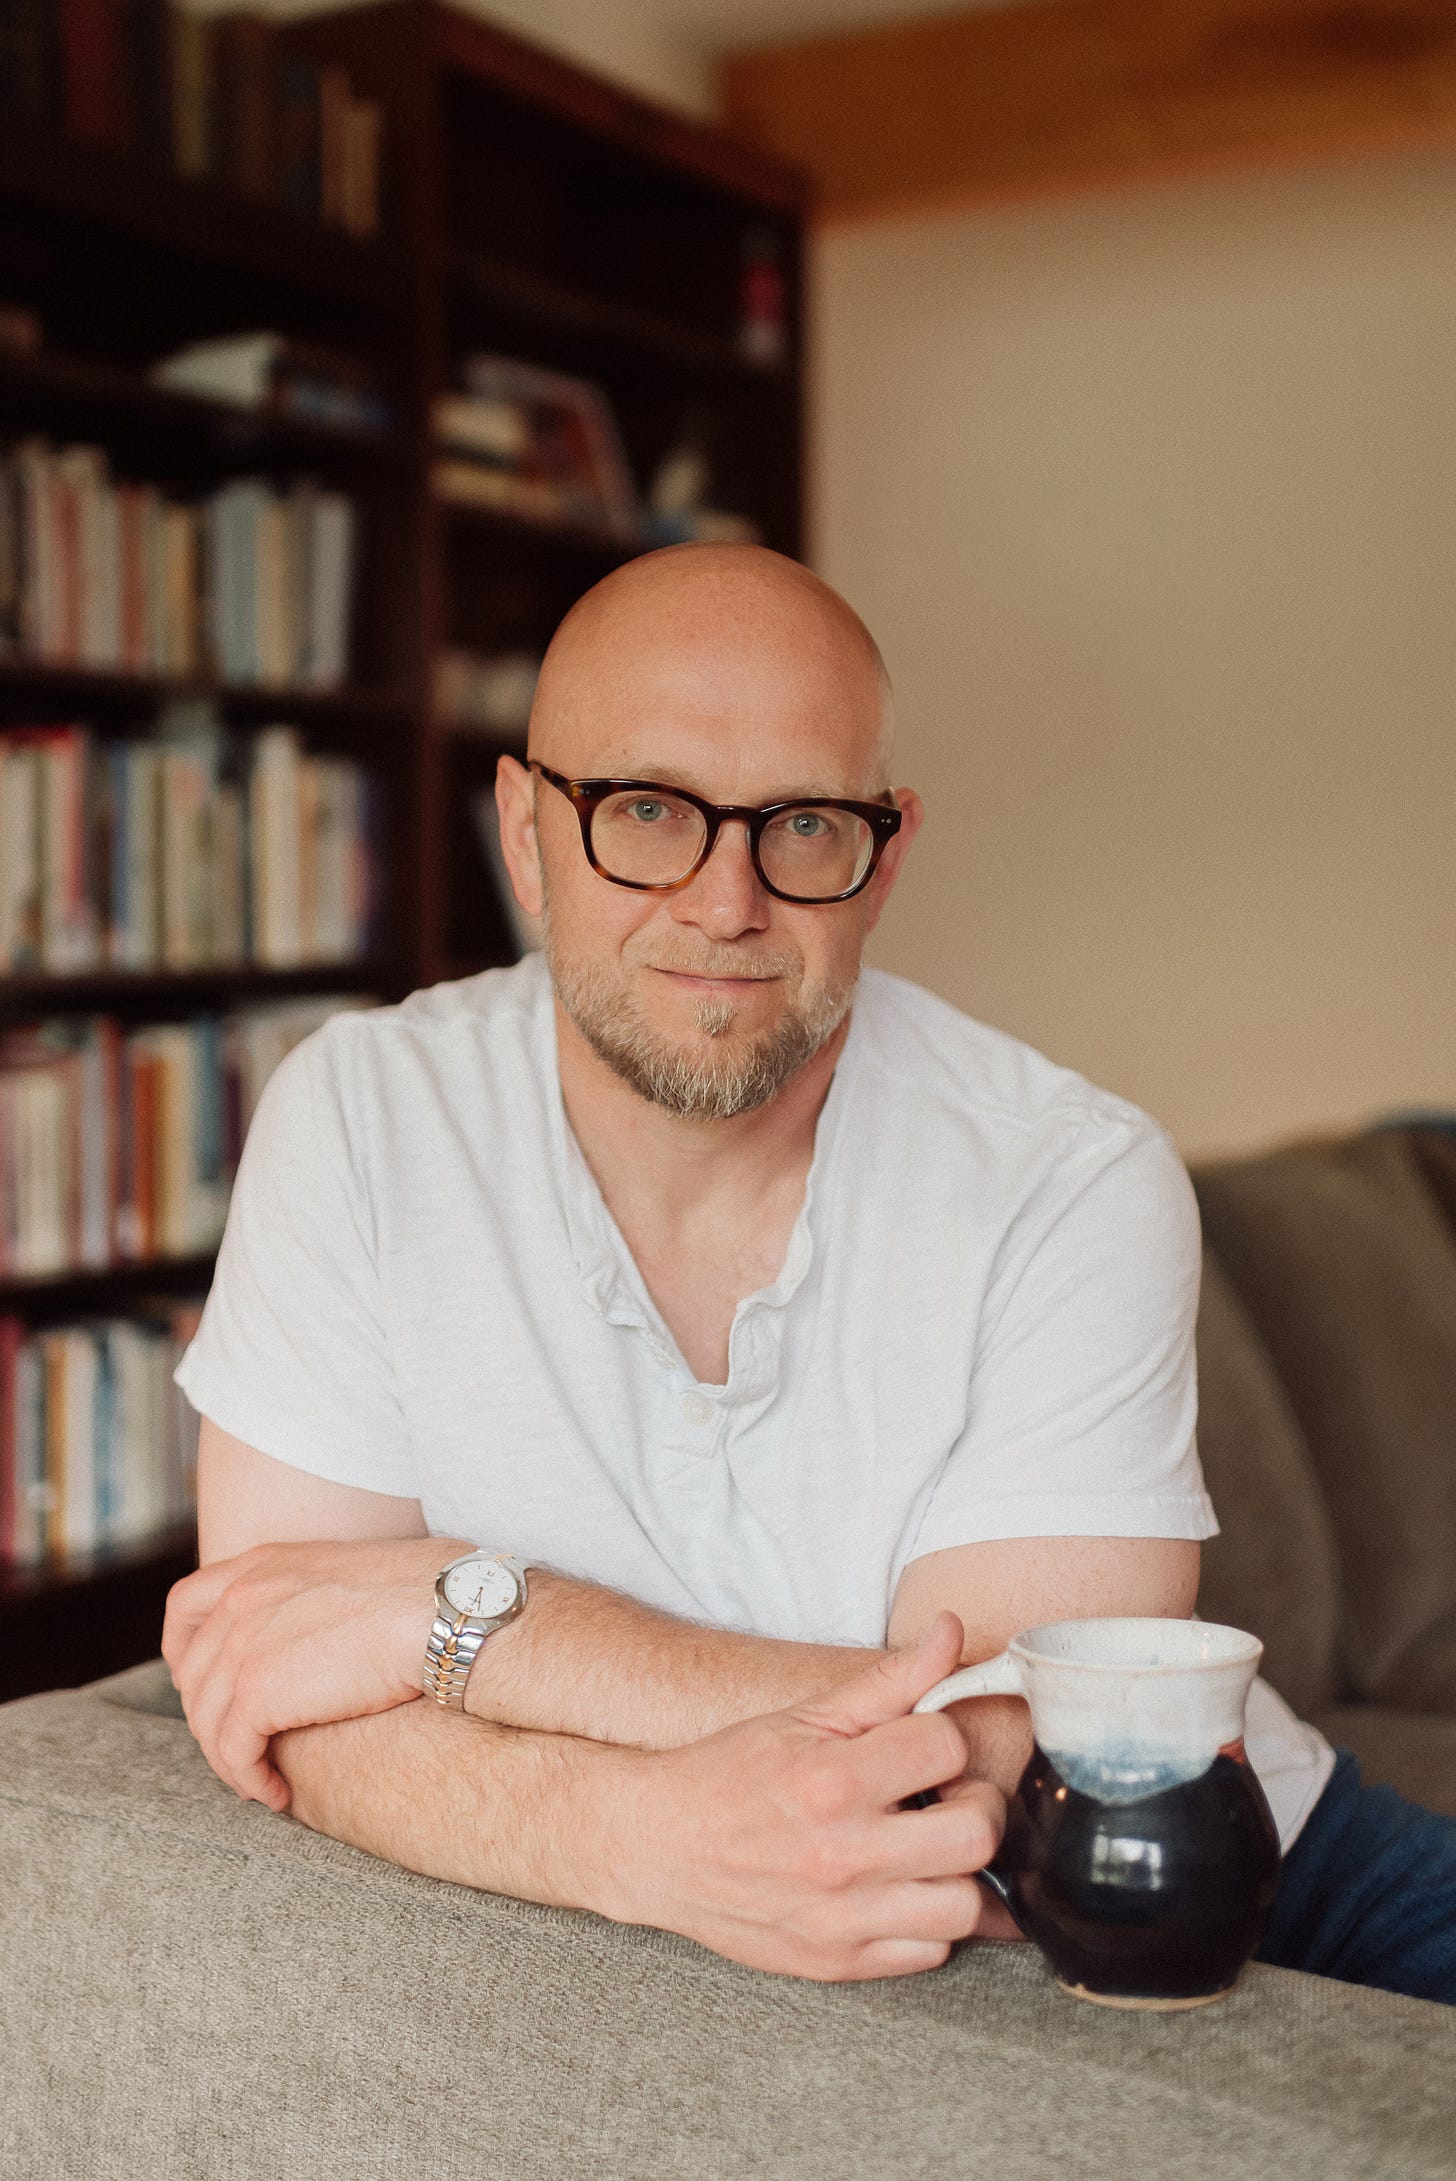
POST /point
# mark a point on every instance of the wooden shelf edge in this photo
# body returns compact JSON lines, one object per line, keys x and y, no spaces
{"x":85,"y":1287}
{"x":241,"y":428}
{"x":509,"y":523}
{"x":42,"y":991}
{"x":103,"y":685}
{"x":554,"y":303}
{"x":47,"y":1578}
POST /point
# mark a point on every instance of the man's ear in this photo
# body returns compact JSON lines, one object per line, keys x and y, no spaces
{"x":912,"y":817}
{"x":515,"y":800}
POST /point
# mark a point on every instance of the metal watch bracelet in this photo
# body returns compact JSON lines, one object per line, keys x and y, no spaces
{"x":449,"y":1656}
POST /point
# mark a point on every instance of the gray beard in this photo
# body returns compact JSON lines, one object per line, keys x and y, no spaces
{"x":695,"y":1086}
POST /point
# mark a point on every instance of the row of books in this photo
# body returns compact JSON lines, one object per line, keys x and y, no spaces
{"x":97,"y":1446}
{"x":539,"y":444}
{"x":118,"y":1143}
{"x":192,"y":849}
{"x":251,"y":583}
{"x":233,"y":98}
{"x":279,"y":374}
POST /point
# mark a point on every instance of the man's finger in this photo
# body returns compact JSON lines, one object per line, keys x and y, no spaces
{"x":930,"y":1908}
{"x":899,"y":1758}
{"x":892,"y":1686}
{"x":189,"y":1603}
{"x":243,"y":1755}
{"x":948,"y":1840}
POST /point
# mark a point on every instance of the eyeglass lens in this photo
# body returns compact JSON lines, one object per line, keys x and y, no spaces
{"x":654,"y":840}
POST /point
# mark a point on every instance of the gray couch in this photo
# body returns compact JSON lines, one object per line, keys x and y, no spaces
{"x":193,"y":1988}
{"x":1327,"y":1424}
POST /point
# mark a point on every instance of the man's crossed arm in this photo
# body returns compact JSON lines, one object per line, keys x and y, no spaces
{"x":743,"y":1791}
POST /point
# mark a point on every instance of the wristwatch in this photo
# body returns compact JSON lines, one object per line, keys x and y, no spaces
{"x":474,"y":1596}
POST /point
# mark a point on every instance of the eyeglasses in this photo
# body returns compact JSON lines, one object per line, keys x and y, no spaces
{"x":811,"y":849}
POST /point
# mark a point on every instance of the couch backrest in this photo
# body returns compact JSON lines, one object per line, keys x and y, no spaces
{"x":1327,"y":1358}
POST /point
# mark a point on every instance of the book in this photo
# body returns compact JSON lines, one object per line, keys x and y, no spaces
{"x":193,"y":88}
{"x":244,"y":70}
{"x":21,"y":904}
{"x":95,"y":76}
{"x":30,"y":62}
{"x":270,"y":370}
{"x":97,"y":1446}
{"x":147,"y":39}
{"x":299,"y":139}
{"x":274,"y":802}
{"x":537,"y":442}
{"x":119,"y":1143}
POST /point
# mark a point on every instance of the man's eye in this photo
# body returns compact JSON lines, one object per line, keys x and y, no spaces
{"x":807,"y":824}
{"x":646,"y":809}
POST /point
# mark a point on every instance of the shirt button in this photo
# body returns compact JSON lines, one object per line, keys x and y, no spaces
{"x":697,"y":1408}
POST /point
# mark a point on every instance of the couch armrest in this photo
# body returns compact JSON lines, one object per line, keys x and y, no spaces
{"x":195,"y":1987}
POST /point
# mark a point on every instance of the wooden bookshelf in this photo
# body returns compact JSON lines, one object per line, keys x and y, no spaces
{"x":534,"y":212}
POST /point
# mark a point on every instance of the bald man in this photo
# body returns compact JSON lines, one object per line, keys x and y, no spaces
{"x":760,"y":1336}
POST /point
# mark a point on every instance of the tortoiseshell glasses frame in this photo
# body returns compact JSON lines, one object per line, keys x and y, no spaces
{"x":586,"y":797}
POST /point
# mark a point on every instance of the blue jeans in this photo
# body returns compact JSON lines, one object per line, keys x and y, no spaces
{"x":1368,"y":1892}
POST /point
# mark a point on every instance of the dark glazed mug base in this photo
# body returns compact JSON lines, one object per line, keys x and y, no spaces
{"x":1151,"y":1904}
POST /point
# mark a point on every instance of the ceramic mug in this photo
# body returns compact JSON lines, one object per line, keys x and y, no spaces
{"x":1140,"y":1854}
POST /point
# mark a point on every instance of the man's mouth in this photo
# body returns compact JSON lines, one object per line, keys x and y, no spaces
{"x":727,"y":980}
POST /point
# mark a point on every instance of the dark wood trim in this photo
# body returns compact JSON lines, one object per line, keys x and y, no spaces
{"x":65,"y":387}
{"x":105,"y":1286}
{"x":550,"y":304}
{"x":104,"y":690}
{"x":132,"y":991}
{"x":69,"y":1622}
{"x":1014,"y":102}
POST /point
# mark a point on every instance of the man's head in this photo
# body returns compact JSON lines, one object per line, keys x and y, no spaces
{"x":738,"y":675}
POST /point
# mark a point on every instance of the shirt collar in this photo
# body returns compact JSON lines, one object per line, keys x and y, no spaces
{"x":605,"y":1265}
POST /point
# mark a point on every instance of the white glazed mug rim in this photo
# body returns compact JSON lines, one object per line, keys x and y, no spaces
{"x":1247,"y":1649}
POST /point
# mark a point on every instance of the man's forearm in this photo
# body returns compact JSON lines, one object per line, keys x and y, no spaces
{"x":784,"y":1842}
{"x":583,"y":1660}
{"x":543,"y":1817}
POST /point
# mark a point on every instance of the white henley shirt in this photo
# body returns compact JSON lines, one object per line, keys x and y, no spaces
{"x":983,"y":1327}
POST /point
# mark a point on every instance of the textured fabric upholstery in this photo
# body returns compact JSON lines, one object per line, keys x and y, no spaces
{"x":1347,"y":1265}
{"x":1410,"y":1750}
{"x":196,"y":1990}
{"x":1273,"y":1568}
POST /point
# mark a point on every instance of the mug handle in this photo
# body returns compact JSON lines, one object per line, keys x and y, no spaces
{"x":999,"y":1676}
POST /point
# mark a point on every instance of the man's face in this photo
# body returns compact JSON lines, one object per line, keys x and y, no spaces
{"x":709,"y":998}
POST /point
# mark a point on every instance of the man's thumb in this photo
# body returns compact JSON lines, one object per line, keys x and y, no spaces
{"x":894,"y":1684}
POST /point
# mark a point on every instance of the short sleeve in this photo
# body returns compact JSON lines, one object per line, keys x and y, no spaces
{"x":1083,"y":1397}
{"x":291,"y":1354}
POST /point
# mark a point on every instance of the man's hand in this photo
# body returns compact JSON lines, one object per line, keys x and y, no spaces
{"x":781,"y":1843}
{"x":293,"y":1635}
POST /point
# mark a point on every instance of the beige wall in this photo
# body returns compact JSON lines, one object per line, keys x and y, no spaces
{"x":1151,"y":501}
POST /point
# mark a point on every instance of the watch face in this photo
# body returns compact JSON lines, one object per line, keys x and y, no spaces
{"x":481,"y":1587}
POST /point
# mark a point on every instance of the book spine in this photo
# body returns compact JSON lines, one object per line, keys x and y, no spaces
{"x":30,"y":62}
{"x":94,"y":72}
{"x":194,"y":93}
{"x":11,"y":1336}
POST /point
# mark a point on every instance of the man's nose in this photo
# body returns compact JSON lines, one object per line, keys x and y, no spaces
{"x":726,"y":896}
